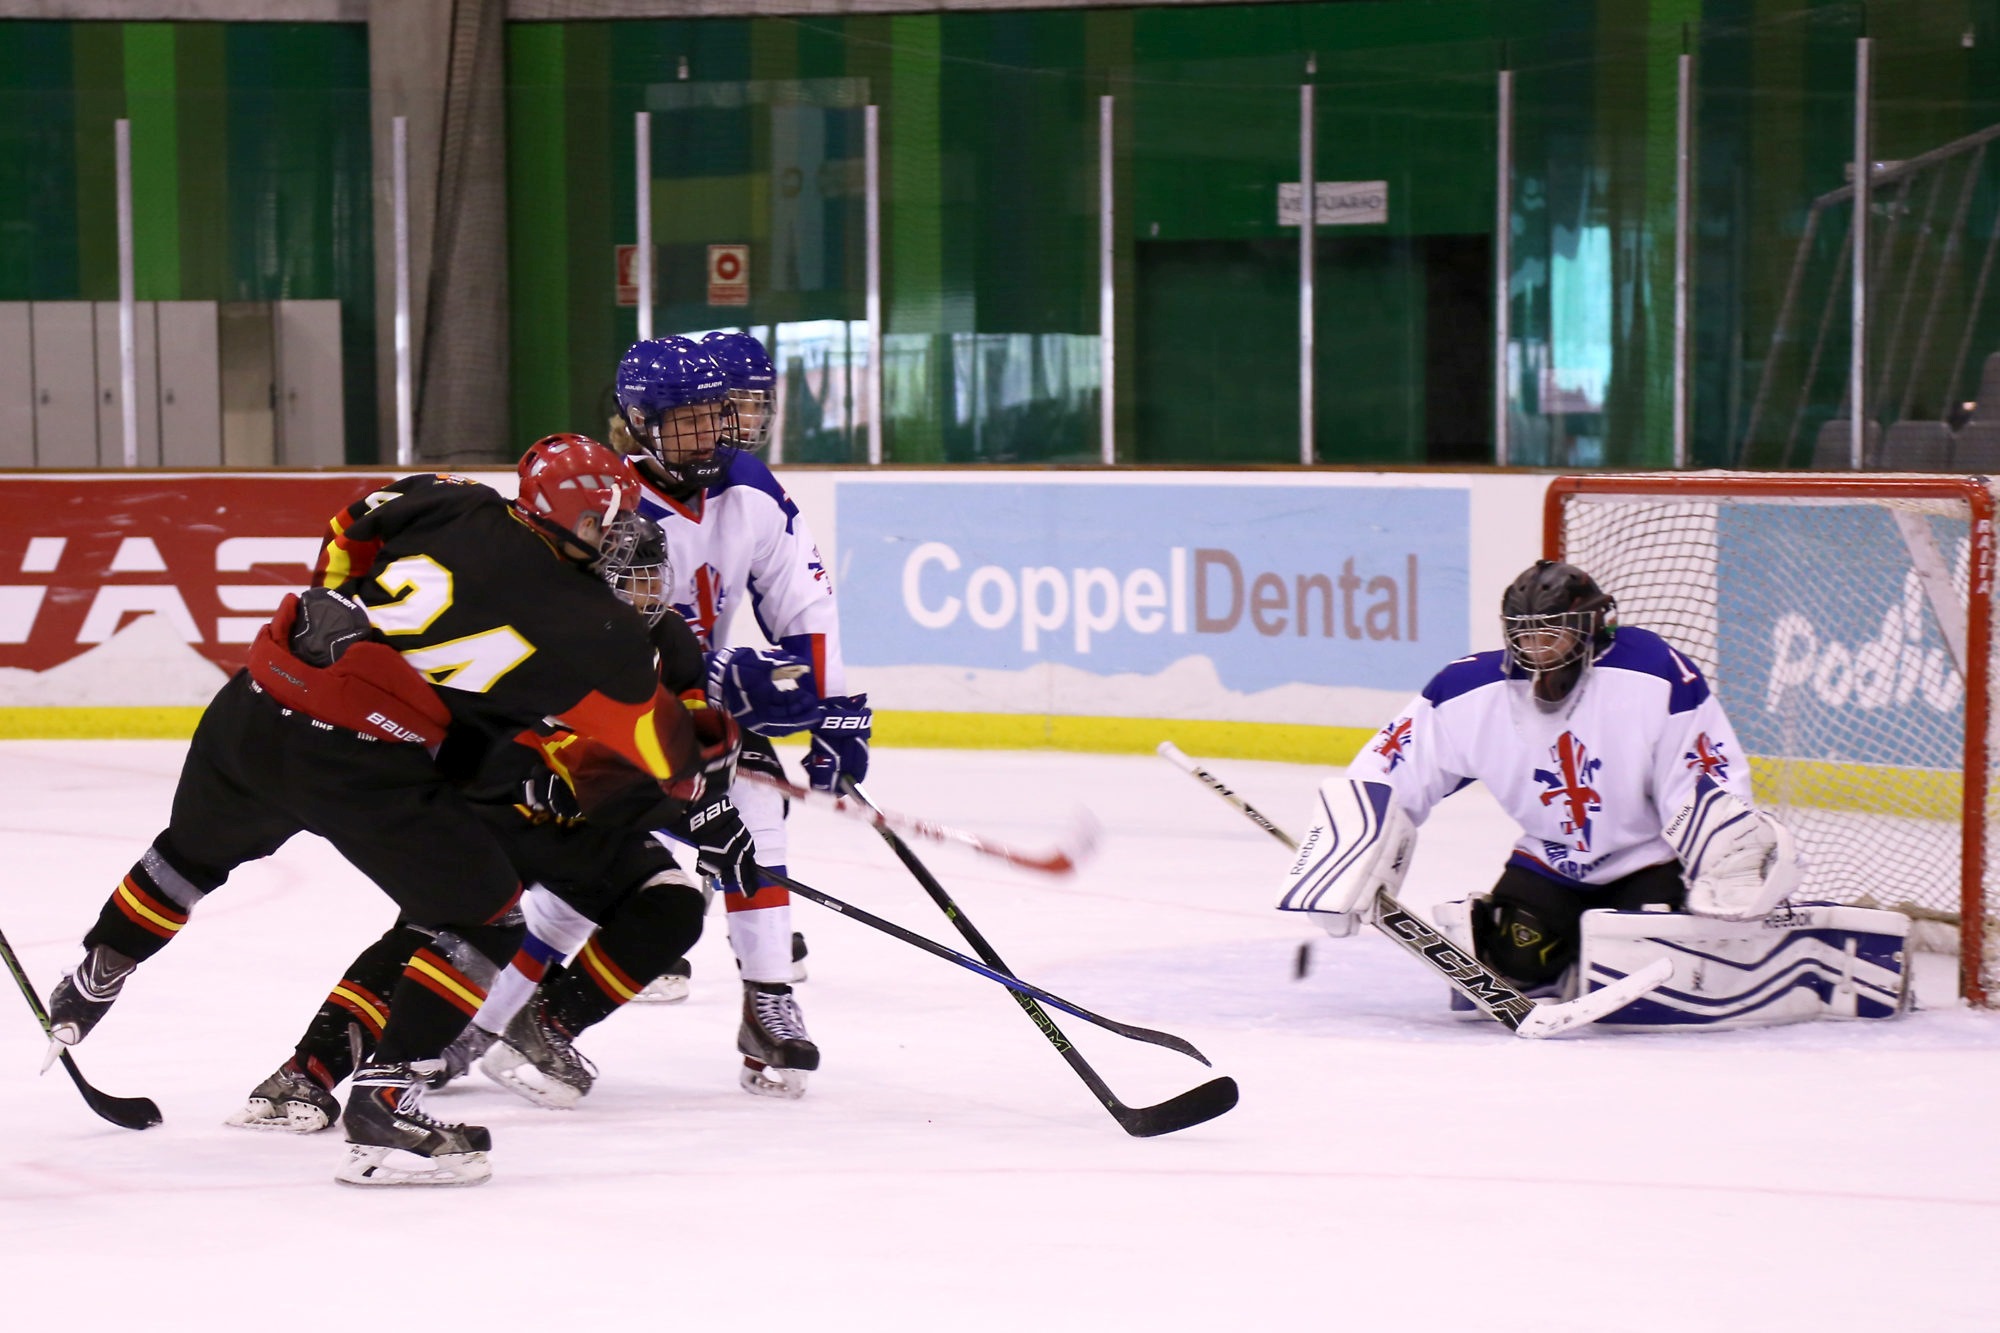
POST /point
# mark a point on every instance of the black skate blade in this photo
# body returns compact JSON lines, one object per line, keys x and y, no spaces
{"x":124,"y":1112}
{"x":1193,"y":1107}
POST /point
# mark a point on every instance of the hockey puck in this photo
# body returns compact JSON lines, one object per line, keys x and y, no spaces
{"x":1303,"y":963}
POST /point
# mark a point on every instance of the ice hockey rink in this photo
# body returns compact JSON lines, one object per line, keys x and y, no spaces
{"x":1389,"y":1167}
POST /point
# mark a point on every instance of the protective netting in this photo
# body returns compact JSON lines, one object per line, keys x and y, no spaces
{"x":1831,"y":628}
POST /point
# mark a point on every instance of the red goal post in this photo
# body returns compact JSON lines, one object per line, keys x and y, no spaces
{"x":1846,"y":623}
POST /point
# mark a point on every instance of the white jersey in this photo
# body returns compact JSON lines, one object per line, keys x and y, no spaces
{"x":743,"y":541}
{"x":1592,"y":782}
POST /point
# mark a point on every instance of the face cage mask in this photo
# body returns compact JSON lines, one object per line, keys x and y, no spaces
{"x":633,"y":560}
{"x":1545,"y":643}
{"x":689,"y":443}
{"x":755,"y":413}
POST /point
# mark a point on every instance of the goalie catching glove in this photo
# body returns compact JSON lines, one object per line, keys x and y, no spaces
{"x":1360,"y":843}
{"x":1740,"y":862}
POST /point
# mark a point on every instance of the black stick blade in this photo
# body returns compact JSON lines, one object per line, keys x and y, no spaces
{"x":1193,"y":1107}
{"x":124,"y":1112}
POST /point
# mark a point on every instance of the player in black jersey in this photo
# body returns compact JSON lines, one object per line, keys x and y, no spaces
{"x":481,"y":614}
{"x":608,"y":870}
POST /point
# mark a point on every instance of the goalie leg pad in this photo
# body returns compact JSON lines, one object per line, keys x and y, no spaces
{"x":1795,"y":965}
{"x":1360,"y":843}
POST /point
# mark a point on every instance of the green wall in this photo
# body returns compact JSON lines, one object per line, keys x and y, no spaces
{"x":250,"y":170}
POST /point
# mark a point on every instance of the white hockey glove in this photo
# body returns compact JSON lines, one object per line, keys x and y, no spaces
{"x":1740,"y":862}
{"x":1359,"y":842}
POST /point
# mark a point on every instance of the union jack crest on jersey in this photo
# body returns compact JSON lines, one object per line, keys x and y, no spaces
{"x":711,"y":596}
{"x":1707,"y":759}
{"x":1568,"y":781}
{"x":1395,"y":744}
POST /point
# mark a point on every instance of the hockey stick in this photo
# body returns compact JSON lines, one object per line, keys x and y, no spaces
{"x":1192,"y":1107}
{"x":1470,"y":977}
{"x":1058,"y":860}
{"x":124,"y":1112}
{"x":1007,"y":979}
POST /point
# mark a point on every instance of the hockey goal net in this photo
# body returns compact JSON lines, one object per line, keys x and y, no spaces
{"x":1846,"y":624}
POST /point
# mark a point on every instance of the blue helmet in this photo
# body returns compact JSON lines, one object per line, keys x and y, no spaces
{"x":675,"y":401}
{"x":753,"y":384}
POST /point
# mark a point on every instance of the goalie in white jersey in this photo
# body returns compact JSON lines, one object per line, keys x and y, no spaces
{"x":696,"y":414}
{"x":1606,"y":746}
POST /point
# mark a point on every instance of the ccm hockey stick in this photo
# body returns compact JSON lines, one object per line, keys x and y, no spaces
{"x":1059,"y":860}
{"x":124,"y":1112}
{"x":1192,"y":1107}
{"x":1007,"y":979}
{"x":1470,"y":977}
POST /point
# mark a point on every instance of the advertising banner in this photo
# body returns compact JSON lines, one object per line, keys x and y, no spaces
{"x":1845,"y":664}
{"x":122,"y":590}
{"x":1300,"y":603}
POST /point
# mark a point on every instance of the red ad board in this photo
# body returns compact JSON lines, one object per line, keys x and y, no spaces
{"x":82,"y":557}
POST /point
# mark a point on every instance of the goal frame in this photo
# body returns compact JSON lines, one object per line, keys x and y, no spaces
{"x":1975,"y":494}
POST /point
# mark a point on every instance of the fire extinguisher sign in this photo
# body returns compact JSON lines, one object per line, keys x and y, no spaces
{"x":729,"y":275}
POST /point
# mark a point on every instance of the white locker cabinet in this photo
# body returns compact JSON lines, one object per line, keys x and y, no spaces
{"x":312,"y":427}
{"x":17,"y":386}
{"x":190,"y":385}
{"x":65,"y":384}
{"x":249,"y":383}
{"x":111,"y":377}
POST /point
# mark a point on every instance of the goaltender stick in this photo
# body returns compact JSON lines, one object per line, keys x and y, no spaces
{"x":1610,"y":751}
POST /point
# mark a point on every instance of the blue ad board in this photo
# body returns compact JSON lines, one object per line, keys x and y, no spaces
{"x":1277,"y":585}
{"x":1827,"y":644}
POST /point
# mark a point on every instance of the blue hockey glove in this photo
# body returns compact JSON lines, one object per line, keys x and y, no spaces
{"x":840,"y":742}
{"x":765,"y":692}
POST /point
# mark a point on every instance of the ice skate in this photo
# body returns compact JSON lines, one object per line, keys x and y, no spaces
{"x":670,"y":987}
{"x":84,"y":996}
{"x":534,"y":1059}
{"x":776,"y":1051}
{"x":390,"y":1141}
{"x":291,"y":1100}
{"x":462,"y":1055}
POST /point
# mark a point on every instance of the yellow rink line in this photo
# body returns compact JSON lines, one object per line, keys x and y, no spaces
{"x":1906,"y":792}
{"x":1330,"y":746}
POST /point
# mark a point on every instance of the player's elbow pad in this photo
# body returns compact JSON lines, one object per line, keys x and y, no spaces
{"x":1360,"y":843}
{"x":1740,"y":862}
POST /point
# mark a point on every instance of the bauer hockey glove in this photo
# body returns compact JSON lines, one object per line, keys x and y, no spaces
{"x":722,"y":846}
{"x":765,"y":692}
{"x":840,"y":742}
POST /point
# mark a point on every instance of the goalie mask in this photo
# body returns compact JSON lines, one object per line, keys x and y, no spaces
{"x":1555,"y":620}
{"x":675,"y":402}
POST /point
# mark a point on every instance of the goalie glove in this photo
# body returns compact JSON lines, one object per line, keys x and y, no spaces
{"x":1360,"y":843}
{"x":1740,"y":862}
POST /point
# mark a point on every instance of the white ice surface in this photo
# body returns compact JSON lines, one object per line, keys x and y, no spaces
{"x":1389,"y":1167}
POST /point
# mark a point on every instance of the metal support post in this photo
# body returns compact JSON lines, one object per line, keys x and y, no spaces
{"x":406,"y":432}
{"x":128,"y":308}
{"x":872,"y":225}
{"x":642,"y":267}
{"x":1106,"y":291}
{"x":1503,"y":267}
{"x":1308,"y":234}
{"x":1857,"y":352}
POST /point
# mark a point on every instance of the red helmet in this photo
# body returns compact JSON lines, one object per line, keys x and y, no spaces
{"x":575,"y":490}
